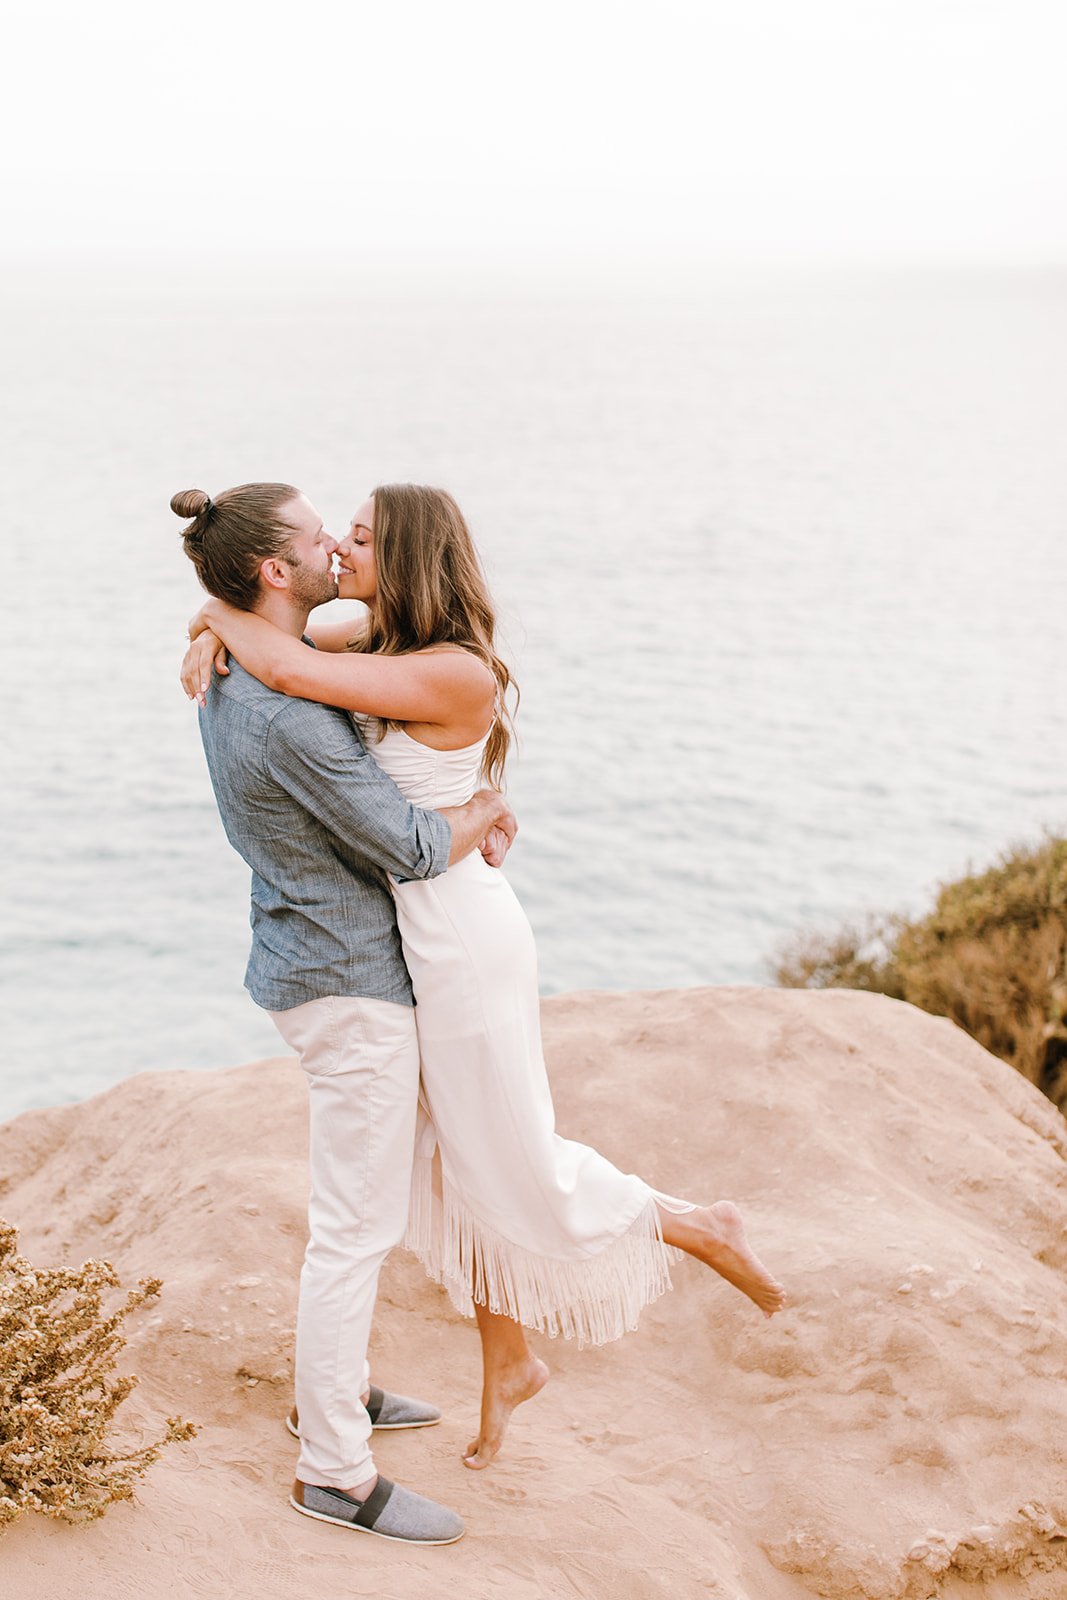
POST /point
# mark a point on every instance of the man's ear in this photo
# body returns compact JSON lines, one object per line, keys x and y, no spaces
{"x":274,"y":573}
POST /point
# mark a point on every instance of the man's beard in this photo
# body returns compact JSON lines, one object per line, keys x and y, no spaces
{"x":311,"y":588}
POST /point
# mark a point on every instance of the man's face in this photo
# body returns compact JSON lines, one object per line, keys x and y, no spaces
{"x":310,"y":566}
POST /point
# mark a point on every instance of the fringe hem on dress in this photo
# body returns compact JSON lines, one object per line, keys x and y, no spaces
{"x":592,"y":1299}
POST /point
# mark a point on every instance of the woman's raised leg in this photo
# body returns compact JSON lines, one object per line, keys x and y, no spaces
{"x":511,"y":1373}
{"x":715,"y":1235}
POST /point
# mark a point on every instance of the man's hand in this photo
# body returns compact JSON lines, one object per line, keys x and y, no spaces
{"x":495,"y":846}
{"x":501,"y":836}
{"x":475,"y":824}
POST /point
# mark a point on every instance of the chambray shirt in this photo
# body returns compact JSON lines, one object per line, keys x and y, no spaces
{"x":320,"y":824}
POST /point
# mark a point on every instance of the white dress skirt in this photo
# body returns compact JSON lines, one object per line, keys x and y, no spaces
{"x":503,"y":1210}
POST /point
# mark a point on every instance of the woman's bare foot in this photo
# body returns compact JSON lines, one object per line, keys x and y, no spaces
{"x":507,"y":1387}
{"x":716,"y":1235}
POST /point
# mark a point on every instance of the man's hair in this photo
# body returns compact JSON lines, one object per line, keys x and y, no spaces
{"x":229,"y":536}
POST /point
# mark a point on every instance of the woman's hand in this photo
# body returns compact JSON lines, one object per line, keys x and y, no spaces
{"x":205,"y":651}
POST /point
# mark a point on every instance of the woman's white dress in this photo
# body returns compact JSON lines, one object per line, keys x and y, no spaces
{"x":533,"y":1225}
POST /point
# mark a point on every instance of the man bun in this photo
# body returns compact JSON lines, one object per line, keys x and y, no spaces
{"x":230,"y":537}
{"x":190,"y":502}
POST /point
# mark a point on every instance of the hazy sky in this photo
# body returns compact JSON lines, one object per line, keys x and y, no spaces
{"x":478,"y":132}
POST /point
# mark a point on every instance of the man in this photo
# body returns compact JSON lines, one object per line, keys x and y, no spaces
{"x":320,"y":825}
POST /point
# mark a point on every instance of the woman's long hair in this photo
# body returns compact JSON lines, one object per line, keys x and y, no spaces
{"x":431,"y":591}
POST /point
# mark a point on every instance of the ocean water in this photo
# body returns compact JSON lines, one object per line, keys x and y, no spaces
{"x":780,"y":566}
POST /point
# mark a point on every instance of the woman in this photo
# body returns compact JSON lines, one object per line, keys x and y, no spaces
{"x":537,"y":1231}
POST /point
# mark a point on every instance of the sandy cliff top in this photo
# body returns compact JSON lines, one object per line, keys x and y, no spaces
{"x":901,"y":1428}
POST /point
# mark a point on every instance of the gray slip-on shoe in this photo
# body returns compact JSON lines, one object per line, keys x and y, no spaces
{"x":389,"y":1511}
{"x":386,"y":1411}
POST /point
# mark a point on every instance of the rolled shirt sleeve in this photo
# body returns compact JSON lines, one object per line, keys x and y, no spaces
{"x":316,"y":754}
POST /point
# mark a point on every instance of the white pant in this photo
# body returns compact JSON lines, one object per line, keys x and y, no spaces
{"x":361,"y":1059}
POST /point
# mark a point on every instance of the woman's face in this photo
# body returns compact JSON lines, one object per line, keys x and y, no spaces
{"x":357,"y":577}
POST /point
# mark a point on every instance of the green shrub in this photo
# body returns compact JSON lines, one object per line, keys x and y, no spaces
{"x":992,"y":955}
{"x":58,"y":1395}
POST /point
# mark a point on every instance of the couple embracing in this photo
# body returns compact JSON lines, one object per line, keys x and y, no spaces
{"x":357,"y":768}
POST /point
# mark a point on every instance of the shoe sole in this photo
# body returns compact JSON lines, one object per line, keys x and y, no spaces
{"x":380,"y":1427}
{"x":357,"y":1527}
